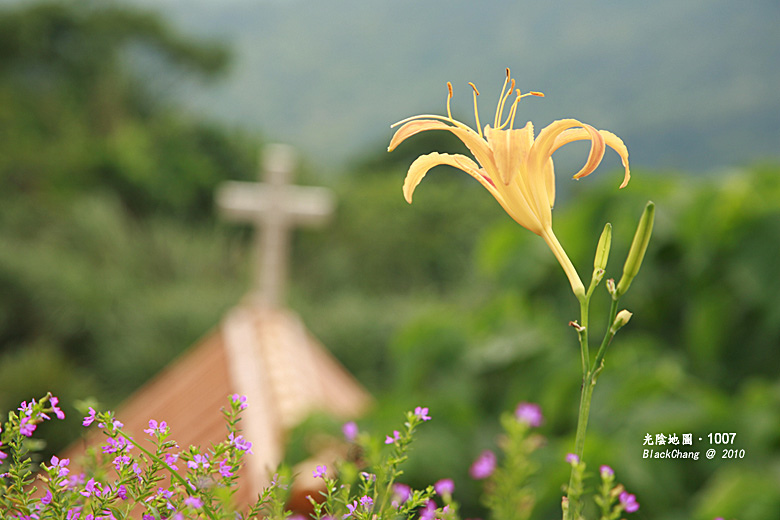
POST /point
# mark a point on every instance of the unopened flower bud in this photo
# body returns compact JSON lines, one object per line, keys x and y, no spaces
{"x":637,"y":251}
{"x":621,"y":319}
{"x":602,"y":249}
{"x":611,"y":287}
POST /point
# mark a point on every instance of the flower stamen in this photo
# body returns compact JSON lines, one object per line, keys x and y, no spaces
{"x":476,"y":111}
{"x":449,"y":98}
{"x":502,"y":103}
{"x":501,"y":97}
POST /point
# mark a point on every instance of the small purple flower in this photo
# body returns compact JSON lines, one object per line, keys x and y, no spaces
{"x":27,"y":428}
{"x":25,"y":408}
{"x":155,"y":428}
{"x":170,"y":459}
{"x":422,"y":413}
{"x":121,"y":460}
{"x":61,"y":465}
{"x":444,"y":486}
{"x":193,"y":502}
{"x":56,"y":409}
{"x":199,"y":460}
{"x":115,"y":445}
{"x":76,"y":480}
{"x":571,"y":458}
{"x":429,"y":511}
{"x":3,"y":456}
{"x":530,"y":414}
{"x":367,"y":502}
{"x":240,"y":443}
{"x":46,"y":498}
{"x":225,"y":469}
{"x":121,"y":492}
{"x":320,"y":472}
{"x":90,"y":418}
{"x":115,"y":424}
{"x":350,"y":431}
{"x":484,"y":466}
{"x":606,"y":472}
{"x":401,"y":493}
{"x":239,"y":400}
{"x":91,"y":488}
{"x":629,"y":502}
{"x":395,"y":438}
{"x":352,"y":507}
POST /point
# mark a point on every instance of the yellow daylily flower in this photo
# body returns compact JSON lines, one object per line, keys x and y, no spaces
{"x":515,"y":167}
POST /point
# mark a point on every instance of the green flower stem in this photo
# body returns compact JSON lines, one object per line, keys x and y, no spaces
{"x":596,"y":368}
{"x":590,"y":373}
{"x":582,"y":333}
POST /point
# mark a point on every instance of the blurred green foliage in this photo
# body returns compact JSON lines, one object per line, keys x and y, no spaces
{"x":110,"y":260}
{"x":111,"y":263}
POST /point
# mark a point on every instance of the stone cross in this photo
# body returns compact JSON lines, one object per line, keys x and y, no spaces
{"x":274,"y":207}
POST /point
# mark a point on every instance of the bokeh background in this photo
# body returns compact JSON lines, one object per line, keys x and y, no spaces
{"x":118,"y":119}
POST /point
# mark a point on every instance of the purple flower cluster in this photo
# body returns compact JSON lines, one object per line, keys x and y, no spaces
{"x":350,"y":431}
{"x":530,"y":414}
{"x":422,"y":413}
{"x":239,"y":401}
{"x":156,"y":429}
{"x":444,"y":486}
{"x":484,"y":466}
{"x":240,"y":442}
{"x":395,"y":438}
{"x":629,"y":502}
{"x":366,"y":503}
{"x":401,"y":493}
{"x":31,"y":414}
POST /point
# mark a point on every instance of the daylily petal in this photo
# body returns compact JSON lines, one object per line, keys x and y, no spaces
{"x":469,"y":137}
{"x":549,"y":179}
{"x":543,"y":145}
{"x":610,"y":139}
{"x":597,"y":147}
{"x":422,"y":164}
{"x":538,"y":174}
{"x":617,"y":144}
{"x":510,"y":148}
{"x":510,"y":152}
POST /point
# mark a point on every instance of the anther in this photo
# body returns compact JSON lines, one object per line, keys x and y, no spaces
{"x":449,"y":97}
{"x":476,"y":110}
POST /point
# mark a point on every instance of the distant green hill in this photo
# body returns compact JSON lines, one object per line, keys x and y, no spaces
{"x":688,"y":84}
